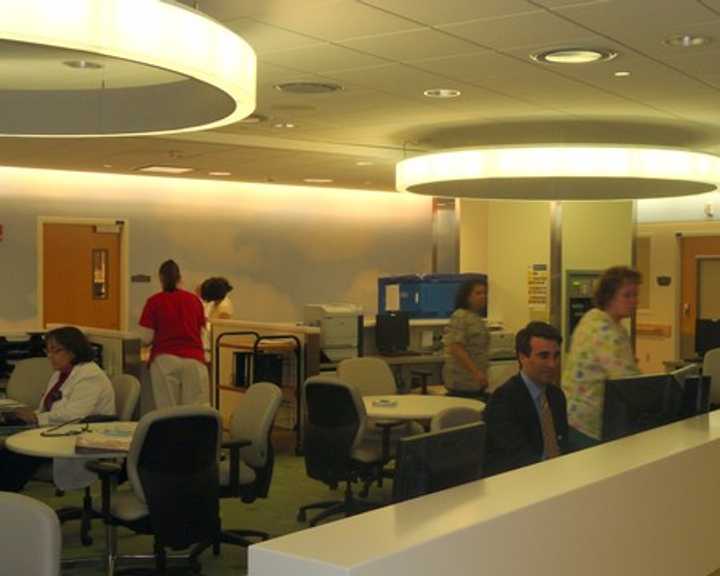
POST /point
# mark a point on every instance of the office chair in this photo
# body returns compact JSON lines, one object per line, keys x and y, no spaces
{"x":173,"y":479}
{"x":452,"y":417}
{"x":335,"y":445}
{"x":711,"y":367}
{"x":29,"y":380}
{"x":31,"y":540}
{"x":373,"y":377}
{"x":127,"y":395}
{"x":248,"y":472}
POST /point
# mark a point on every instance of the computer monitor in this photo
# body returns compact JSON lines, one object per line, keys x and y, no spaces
{"x":707,"y":335}
{"x":695,"y":390}
{"x":639,"y":403}
{"x":435,"y":461}
{"x":392,"y":332}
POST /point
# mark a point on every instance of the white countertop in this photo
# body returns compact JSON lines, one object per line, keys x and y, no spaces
{"x":605,"y":509}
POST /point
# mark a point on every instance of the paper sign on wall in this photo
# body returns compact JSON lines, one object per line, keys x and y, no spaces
{"x":538,"y":286}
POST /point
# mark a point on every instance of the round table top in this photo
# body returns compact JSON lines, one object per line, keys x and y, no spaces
{"x":33,"y":443}
{"x":415,"y":406}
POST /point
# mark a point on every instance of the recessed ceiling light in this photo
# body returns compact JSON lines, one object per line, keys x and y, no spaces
{"x":165,"y":169}
{"x":308,"y":87}
{"x":318,"y":180}
{"x":364,"y":163}
{"x":219,"y":173}
{"x":687,"y":41}
{"x":284,"y":125}
{"x":83,"y":64}
{"x":622,"y":74}
{"x":442,"y":93}
{"x":574,"y":56}
{"x":107,"y":165}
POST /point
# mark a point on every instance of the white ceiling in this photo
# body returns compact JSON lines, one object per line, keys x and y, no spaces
{"x":385,"y":53}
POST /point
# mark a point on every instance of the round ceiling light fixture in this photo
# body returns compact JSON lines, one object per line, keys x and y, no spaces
{"x":167,"y":68}
{"x":556,"y":172}
{"x":574,"y":55}
{"x":687,"y":41}
{"x":442,"y":93}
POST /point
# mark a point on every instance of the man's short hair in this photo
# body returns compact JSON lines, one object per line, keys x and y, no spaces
{"x":535,"y":330}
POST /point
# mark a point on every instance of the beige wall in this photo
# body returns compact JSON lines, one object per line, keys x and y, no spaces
{"x":280,"y":246}
{"x":595,"y":236}
{"x":473,"y":216}
{"x":664,"y":309}
{"x":503,"y":239}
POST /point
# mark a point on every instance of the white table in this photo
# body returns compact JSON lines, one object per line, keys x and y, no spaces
{"x":416,"y":406}
{"x":33,"y":443}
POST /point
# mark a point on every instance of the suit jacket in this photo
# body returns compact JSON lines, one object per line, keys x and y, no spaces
{"x":514,"y":434}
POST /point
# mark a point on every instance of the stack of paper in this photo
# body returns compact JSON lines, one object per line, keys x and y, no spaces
{"x":108,"y":439}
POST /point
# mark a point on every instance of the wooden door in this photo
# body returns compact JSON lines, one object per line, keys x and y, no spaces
{"x":696,"y":251}
{"x":81,"y":275}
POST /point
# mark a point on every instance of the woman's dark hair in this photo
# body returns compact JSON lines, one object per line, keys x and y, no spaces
{"x":215,"y":289}
{"x":611,"y":281}
{"x":466,"y":288}
{"x":169,"y":275}
{"x":535,"y":330}
{"x":74,"y":341}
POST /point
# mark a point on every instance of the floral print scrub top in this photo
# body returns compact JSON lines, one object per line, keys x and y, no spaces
{"x":600,"y":350}
{"x":469,"y":329}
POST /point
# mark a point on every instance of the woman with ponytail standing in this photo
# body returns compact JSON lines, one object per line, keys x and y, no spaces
{"x":172,"y":322}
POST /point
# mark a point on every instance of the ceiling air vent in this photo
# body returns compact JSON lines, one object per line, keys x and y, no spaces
{"x":308,"y":87}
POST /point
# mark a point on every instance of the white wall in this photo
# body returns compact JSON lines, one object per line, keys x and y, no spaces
{"x":280,"y":246}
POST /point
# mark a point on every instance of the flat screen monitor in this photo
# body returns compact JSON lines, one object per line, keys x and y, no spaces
{"x":639,"y":403}
{"x":392,"y":332}
{"x":695,"y":390}
{"x":435,"y":461}
{"x":707,"y":335}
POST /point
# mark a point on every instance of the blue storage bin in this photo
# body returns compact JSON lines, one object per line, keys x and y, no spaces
{"x":425,"y":296}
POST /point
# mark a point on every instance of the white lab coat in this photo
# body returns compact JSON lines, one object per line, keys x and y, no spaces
{"x":87,"y":391}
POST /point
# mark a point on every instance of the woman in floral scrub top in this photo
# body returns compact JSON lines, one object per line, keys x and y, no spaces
{"x":601,"y":349}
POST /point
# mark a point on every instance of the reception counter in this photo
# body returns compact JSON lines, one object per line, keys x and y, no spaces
{"x":644,"y":505}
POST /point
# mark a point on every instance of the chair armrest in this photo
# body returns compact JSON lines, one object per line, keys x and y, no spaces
{"x":104,"y":468}
{"x":234,"y":446}
{"x":386,"y":426}
{"x":237,"y":443}
{"x":108,"y":470}
{"x":424,"y":375}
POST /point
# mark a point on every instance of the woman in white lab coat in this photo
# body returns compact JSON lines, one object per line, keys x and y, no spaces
{"x":77,"y":389}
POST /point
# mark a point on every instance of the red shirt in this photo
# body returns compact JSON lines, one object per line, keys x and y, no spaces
{"x":177,"y":319}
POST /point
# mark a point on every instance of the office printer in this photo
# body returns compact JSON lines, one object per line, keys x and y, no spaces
{"x":341,"y":329}
{"x":502,"y":344}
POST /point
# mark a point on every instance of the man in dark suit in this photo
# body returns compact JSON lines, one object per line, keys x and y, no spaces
{"x":526,"y":417}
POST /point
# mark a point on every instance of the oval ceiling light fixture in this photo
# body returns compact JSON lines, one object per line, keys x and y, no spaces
{"x":442,"y":93}
{"x":574,"y":56}
{"x":555,"y":172}
{"x":166,"y":68}
{"x":687,"y":41}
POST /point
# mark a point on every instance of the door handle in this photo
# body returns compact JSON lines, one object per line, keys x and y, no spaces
{"x":686,"y":309}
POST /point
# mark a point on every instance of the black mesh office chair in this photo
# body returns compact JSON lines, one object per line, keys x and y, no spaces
{"x":173,"y":493}
{"x":335,"y":445}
